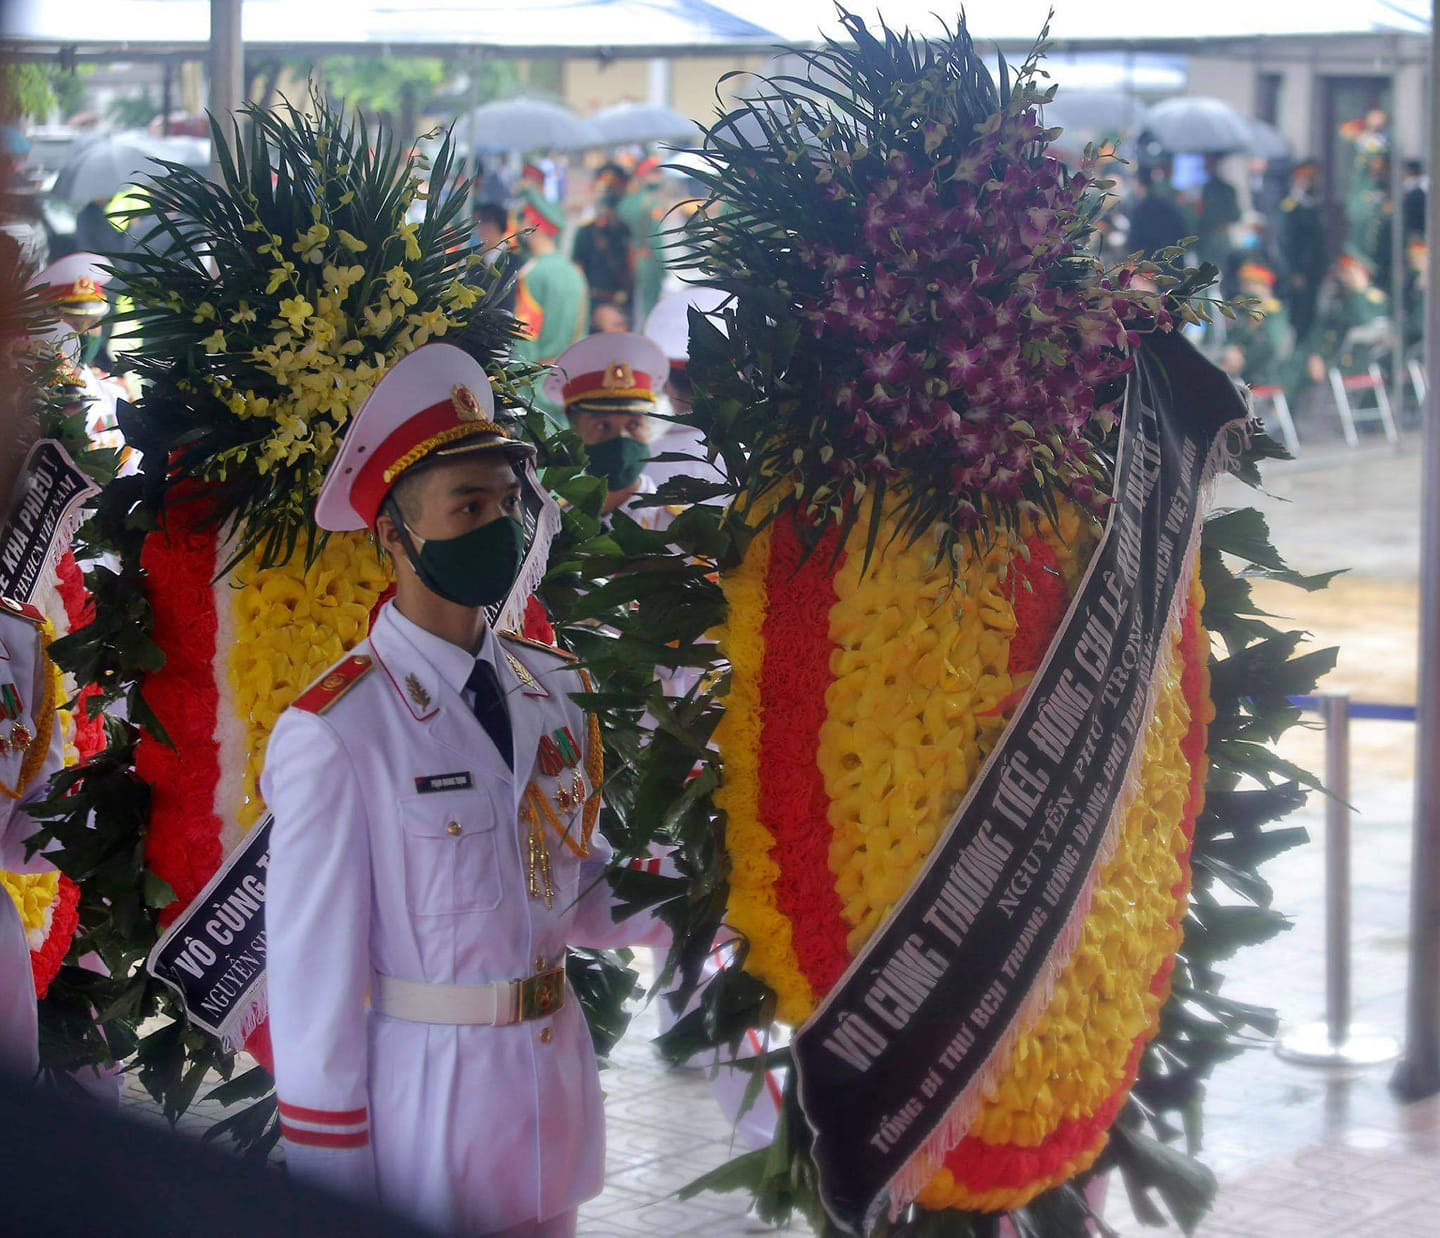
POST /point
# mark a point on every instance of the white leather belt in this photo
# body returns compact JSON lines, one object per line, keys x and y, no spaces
{"x":493,"y":1005}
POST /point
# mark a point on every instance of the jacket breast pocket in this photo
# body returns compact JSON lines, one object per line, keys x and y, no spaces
{"x":453,"y":856}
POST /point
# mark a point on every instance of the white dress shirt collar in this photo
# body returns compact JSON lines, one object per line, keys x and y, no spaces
{"x":452,"y":663}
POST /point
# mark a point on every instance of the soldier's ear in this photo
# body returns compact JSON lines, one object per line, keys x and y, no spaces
{"x":387,"y":534}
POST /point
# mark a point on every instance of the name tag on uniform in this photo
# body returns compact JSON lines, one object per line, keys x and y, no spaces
{"x":427,"y":783}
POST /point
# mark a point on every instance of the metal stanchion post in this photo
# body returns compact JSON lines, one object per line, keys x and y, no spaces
{"x":1335,"y":1042}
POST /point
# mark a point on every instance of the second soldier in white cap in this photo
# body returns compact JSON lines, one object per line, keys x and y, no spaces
{"x":608,"y":385}
{"x":74,"y":289}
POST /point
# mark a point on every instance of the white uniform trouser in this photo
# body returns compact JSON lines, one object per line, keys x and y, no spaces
{"x":19,"y":1053}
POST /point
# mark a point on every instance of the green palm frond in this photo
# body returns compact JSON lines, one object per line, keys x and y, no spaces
{"x":217,"y":260}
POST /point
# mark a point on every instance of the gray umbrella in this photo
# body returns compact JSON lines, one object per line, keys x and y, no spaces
{"x":102,"y":165}
{"x":630,"y":123}
{"x":1268,"y":142}
{"x":1095,"y":112}
{"x":525,"y":125}
{"x":1199,"y":125}
{"x":745,"y":127}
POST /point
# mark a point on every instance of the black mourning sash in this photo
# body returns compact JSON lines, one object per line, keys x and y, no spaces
{"x":889,"y":1069}
{"x":48,"y":508}
{"x":213,"y":954}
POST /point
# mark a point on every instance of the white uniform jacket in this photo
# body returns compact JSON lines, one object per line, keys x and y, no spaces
{"x":31,"y":751}
{"x":399,"y":848}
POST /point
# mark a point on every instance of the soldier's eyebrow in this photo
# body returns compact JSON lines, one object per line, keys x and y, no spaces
{"x":468,"y":488}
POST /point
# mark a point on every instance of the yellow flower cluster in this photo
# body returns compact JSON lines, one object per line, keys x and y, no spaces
{"x":918,"y":672}
{"x":33,"y":894}
{"x":1073,"y":1057}
{"x":290,"y":623}
{"x":326,"y":359}
{"x":921,"y":690}
{"x":751,"y":908}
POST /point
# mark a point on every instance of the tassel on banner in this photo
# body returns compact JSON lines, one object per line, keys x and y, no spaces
{"x":542,"y":522}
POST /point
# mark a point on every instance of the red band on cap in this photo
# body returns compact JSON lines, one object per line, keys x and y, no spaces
{"x":600,"y":384}
{"x":441,"y":421}
{"x":535,"y":219}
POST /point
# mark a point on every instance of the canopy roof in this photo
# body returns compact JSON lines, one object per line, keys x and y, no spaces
{"x":670,"y":27}
{"x":1108,"y":22}
{"x":536,"y":27}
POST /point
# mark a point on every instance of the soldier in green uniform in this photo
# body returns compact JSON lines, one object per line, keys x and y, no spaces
{"x":551,"y":298}
{"x":1301,"y":234}
{"x":1259,"y":351}
{"x":1367,"y":190}
{"x":642,"y":211}
{"x":1341,"y":337}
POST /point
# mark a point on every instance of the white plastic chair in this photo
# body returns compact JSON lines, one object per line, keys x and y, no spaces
{"x":1348,"y":389}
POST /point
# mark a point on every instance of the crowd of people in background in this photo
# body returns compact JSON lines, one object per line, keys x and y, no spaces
{"x":598,"y":269}
{"x":1324,"y":280}
{"x":1308,"y":245}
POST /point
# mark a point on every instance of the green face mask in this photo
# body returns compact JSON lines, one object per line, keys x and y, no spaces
{"x":475,"y":569}
{"x":617,"y":460}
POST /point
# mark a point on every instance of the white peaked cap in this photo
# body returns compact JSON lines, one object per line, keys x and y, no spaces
{"x":63,"y":272}
{"x":436,"y":400}
{"x":603,"y":353}
{"x":668,"y":324}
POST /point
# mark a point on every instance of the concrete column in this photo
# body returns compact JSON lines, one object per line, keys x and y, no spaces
{"x":657,"y":82}
{"x":1418,"y":1073}
{"x":227,"y":60}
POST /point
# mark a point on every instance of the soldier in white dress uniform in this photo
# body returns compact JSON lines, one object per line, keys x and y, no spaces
{"x":608,"y":385}
{"x":31,"y":744}
{"x":31,"y":752}
{"x":75,"y":288}
{"x":433,"y":853}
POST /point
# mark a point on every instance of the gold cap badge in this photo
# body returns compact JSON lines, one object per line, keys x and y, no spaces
{"x":466,"y":405}
{"x":618,"y":376}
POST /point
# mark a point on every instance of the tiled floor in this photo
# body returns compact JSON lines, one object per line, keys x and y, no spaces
{"x":1297,"y":1150}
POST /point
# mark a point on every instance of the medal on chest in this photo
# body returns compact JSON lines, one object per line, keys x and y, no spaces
{"x":552,"y":799}
{"x":16,"y":737}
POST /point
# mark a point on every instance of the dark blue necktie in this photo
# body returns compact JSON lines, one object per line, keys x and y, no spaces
{"x":490,"y":708}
